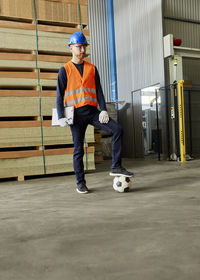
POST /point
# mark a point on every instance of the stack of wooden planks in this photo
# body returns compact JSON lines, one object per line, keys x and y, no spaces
{"x":29,"y":63}
{"x":59,"y":11}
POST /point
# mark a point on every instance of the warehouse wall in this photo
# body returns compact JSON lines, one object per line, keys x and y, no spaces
{"x":97,"y":23}
{"x":182,"y":19}
{"x":139,"y":53}
{"x":185,"y":9}
{"x":187,"y":31}
{"x":191,"y":70}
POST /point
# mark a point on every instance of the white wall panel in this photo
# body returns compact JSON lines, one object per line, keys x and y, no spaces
{"x":97,"y":23}
{"x":139,"y":46}
{"x":139,"y":54}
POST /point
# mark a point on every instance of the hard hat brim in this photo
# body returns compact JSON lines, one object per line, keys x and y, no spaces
{"x":78,"y":43}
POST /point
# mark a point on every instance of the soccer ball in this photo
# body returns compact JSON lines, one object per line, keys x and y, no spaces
{"x":121,"y":184}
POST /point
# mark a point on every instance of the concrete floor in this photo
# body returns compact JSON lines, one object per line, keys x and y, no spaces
{"x":50,"y":232}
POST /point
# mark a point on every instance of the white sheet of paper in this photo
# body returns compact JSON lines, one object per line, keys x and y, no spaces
{"x":69,"y":114}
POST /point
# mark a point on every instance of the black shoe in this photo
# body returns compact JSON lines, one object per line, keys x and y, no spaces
{"x":82,"y":188}
{"x":120,"y":171}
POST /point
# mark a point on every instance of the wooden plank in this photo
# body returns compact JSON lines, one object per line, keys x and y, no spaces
{"x":16,"y":56}
{"x":48,"y":83}
{"x":20,"y":64}
{"x":50,"y":66}
{"x":26,"y":106}
{"x":42,"y":27}
{"x":20,"y":154}
{"x":17,"y":8}
{"x":8,"y":82}
{"x":26,"y":93}
{"x":17,"y":25}
{"x":24,"y":9}
{"x":62,"y":29}
{"x":17,"y":39}
{"x":46,"y":93}
{"x":22,"y":136}
{"x":49,"y":76}
{"x":25,"y":82}
{"x":34,"y":165}
{"x":18,"y":61}
{"x":18,"y":93}
{"x":53,"y":42}
{"x":56,"y":12}
{"x":26,"y":40}
{"x":31,"y":57}
{"x":82,"y":2}
{"x":17,"y":64}
{"x":37,"y":153}
{"x":25,"y":75}
{"x":54,"y":58}
{"x":17,"y":124}
{"x":50,"y":11}
{"x":52,"y":152}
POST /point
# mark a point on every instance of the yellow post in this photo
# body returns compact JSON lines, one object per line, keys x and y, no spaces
{"x":181,"y":120}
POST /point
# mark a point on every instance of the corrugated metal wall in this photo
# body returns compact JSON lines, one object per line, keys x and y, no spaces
{"x":187,"y":31}
{"x":191,"y":70}
{"x":138,"y":28}
{"x":188,"y":9}
{"x":139,"y":52}
{"x":97,"y":23}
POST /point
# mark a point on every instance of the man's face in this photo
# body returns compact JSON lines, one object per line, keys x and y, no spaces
{"x":78,"y":50}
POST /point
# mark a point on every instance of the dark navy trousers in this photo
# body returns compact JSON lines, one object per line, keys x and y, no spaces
{"x":78,"y":129}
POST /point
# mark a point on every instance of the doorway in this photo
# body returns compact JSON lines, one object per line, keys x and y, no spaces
{"x":150,"y":101}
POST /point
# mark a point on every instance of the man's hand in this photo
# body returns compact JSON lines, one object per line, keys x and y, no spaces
{"x":103,"y":117}
{"x":63,"y":122}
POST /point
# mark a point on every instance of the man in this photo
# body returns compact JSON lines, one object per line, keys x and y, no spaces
{"x":79,"y":81}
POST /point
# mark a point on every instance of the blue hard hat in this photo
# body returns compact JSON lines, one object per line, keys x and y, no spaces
{"x":77,"y":38}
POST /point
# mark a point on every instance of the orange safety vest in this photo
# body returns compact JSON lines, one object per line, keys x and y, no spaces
{"x":81,"y":90}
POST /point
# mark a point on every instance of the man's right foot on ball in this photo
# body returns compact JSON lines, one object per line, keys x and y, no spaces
{"x":82,"y":188}
{"x":120,"y":171}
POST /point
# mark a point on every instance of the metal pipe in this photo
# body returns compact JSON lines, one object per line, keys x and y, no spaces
{"x":190,"y":120}
{"x":111,"y":37}
{"x":183,"y":19}
{"x":167,"y":118}
{"x":157,"y":123}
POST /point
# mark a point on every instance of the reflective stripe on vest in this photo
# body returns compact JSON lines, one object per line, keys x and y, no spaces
{"x":81,"y":90}
{"x":80,"y":100}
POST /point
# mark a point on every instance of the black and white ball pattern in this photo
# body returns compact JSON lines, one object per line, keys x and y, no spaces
{"x":121,"y":184}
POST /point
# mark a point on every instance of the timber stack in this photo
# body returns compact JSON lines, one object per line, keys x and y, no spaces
{"x":33,"y":46}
